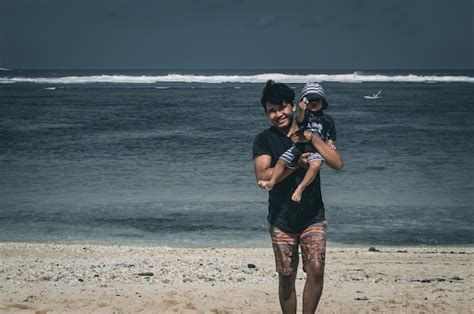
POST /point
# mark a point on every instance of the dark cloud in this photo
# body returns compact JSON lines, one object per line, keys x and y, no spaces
{"x":236,"y":34}
{"x":266,"y":22}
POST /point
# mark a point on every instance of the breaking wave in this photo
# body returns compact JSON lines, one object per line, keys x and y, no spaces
{"x":356,"y":77}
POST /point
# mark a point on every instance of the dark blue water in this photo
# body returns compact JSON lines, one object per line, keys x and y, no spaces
{"x":170,"y":162}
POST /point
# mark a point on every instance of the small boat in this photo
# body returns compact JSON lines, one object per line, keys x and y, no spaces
{"x":50,"y":88}
{"x":376,"y":95}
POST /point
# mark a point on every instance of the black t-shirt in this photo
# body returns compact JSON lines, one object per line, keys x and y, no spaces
{"x":282,"y":211}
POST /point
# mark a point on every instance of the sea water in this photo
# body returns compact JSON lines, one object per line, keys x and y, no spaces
{"x":165,"y":158}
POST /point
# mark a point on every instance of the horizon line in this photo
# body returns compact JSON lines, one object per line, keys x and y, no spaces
{"x":234,"y":69}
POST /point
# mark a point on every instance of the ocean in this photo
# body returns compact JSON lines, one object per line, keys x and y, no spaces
{"x":165,"y":157}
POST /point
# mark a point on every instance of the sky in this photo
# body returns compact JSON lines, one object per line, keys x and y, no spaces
{"x":237,"y":34}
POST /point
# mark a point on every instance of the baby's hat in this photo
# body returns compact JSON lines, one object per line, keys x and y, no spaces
{"x":314,"y":91}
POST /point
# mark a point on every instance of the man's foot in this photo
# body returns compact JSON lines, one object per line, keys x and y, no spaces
{"x":296,"y":197}
{"x":266,"y":184}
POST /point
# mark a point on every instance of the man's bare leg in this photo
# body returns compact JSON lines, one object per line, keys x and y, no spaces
{"x":277,"y":175}
{"x":313,"y":287}
{"x":311,"y":173}
{"x":287,"y":293}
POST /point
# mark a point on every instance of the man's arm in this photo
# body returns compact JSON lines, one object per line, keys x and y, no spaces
{"x":332,"y":157}
{"x":263,"y":169}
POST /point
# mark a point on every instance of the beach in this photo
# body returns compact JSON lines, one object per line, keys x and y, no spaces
{"x":60,"y":278}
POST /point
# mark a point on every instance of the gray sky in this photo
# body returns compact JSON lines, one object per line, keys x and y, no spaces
{"x":237,"y":34}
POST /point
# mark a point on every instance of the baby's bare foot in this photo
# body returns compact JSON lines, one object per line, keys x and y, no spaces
{"x":296,"y":197}
{"x":266,"y":184}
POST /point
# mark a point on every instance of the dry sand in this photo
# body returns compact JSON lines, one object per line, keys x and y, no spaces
{"x":53,"y":278}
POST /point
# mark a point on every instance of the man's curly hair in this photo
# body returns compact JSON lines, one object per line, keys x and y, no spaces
{"x":276,"y":93}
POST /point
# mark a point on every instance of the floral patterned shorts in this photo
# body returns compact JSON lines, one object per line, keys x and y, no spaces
{"x":312,"y":242}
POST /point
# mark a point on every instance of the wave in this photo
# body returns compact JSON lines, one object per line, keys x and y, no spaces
{"x":356,"y":77}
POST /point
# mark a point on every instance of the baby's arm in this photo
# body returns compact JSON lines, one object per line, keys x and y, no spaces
{"x":301,"y":110}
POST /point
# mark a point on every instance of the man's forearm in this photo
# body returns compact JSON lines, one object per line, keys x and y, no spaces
{"x":267,"y":174}
{"x":264,"y":170}
{"x":332,"y":157}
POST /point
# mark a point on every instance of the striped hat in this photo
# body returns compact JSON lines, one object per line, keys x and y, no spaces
{"x":313,"y":90}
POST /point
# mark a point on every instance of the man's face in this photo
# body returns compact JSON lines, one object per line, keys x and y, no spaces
{"x":280,"y":115}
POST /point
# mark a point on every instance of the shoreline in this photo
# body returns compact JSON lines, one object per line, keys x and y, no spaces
{"x":57,"y":278}
{"x":259,"y":244}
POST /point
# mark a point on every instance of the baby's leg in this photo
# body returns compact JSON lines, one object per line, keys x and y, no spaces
{"x":277,"y":175}
{"x":308,"y":178}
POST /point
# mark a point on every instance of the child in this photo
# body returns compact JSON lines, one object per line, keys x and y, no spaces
{"x":310,"y":117}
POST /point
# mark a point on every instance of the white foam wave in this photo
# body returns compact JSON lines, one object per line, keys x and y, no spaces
{"x":356,"y":77}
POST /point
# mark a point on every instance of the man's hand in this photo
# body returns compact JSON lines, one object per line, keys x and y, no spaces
{"x":301,"y":137}
{"x":303,"y":160}
{"x":332,"y":157}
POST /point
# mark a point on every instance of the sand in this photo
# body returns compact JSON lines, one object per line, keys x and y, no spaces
{"x":65,"y":278}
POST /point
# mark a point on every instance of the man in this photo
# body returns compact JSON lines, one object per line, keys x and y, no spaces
{"x":293,"y":224}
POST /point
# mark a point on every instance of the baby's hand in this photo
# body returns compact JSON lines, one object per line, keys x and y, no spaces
{"x":303,"y":103}
{"x":332,"y":144}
